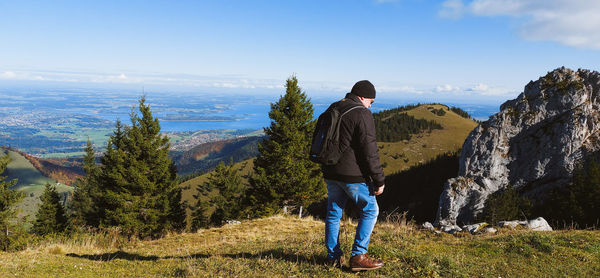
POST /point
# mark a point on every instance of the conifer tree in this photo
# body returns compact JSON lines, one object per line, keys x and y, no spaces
{"x":83,"y":209}
{"x":577,"y":202}
{"x":229,"y":183}
{"x":138,"y":191}
{"x":283,"y":175}
{"x":590,"y":195}
{"x":8,"y":199}
{"x":505,"y":204}
{"x":50,"y":217}
{"x":200,"y":218}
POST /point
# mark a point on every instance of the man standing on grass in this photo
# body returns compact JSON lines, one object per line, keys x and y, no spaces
{"x":358,"y":176}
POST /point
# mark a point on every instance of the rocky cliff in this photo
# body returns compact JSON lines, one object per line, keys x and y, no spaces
{"x":533,"y":144}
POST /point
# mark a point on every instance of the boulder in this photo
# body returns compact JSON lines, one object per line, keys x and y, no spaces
{"x":489,"y":230}
{"x":475,"y":228}
{"x":511,"y":224}
{"x":427,"y":226}
{"x":451,"y":229}
{"x":538,"y":224}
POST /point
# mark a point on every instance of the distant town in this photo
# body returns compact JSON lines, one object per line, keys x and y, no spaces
{"x":49,"y":124}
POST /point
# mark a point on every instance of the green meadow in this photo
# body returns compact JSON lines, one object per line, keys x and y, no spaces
{"x":285,"y":246}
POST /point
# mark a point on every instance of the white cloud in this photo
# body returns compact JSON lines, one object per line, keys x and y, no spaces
{"x":225,"y":85}
{"x":452,"y":9}
{"x":486,"y":90}
{"x":399,"y":89}
{"x":446,"y":88}
{"x":18,"y":75}
{"x":242,"y":82}
{"x":570,"y":22}
{"x":480,"y":87}
{"x":8,"y":75}
{"x":182,"y":80}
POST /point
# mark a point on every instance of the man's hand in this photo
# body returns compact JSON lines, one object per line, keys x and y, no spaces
{"x":379,"y":190}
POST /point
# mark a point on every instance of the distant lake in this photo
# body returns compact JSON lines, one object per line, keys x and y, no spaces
{"x":215,"y":111}
{"x":247,"y":116}
{"x":256,"y":116}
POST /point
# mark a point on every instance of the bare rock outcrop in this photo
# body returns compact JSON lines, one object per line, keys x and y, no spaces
{"x":533,"y":144}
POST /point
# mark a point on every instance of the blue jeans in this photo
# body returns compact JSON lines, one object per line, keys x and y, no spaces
{"x":337,"y":195}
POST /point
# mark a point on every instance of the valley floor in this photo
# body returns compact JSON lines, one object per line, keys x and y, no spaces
{"x":289,"y":247}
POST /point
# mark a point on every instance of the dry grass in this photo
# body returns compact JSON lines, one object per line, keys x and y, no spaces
{"x":289,"y":247}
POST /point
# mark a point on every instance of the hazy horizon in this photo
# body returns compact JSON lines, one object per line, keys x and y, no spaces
{"x":482,"y":51}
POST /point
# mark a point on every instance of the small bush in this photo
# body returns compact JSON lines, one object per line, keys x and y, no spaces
{"x":505,"y":205}
{"x":439,"y":112}
{"x":460,"y":112}
{"x":17,"y":239}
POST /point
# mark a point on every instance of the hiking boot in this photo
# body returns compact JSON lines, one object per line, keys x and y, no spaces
{"x":362,"y":262}
{"x":337,"y":263}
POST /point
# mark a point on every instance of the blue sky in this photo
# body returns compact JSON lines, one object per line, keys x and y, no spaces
{"x":452,"y":48}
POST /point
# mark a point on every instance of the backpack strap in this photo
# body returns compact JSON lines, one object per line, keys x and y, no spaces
{"x":339,"y":121}
{"x":350,"y":109}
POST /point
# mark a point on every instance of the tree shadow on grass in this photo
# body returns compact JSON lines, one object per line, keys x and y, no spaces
{"x":277,"y":254}
{"x":107,"y":257}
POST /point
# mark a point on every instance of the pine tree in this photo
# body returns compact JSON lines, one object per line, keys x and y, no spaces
{"x":9,"y":230}
{"x":200,"y":218}
{"x":577,"y":202}
{"x":590,"y":195}
{"x":229,"y":183}
{"x":110,"y":177}
{"x":283,"y":175}
{"x":83,"y":209}
{"x":138,"y":191}
{"x":50,"y":217}
{"x":505,"y":204}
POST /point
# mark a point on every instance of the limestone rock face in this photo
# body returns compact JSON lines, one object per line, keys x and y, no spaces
{"x":533,"y":144}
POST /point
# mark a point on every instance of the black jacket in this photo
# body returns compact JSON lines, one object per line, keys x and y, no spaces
{"x":360,"y":161}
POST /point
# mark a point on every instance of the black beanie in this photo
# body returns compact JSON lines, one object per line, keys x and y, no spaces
{"x":363,"y":88}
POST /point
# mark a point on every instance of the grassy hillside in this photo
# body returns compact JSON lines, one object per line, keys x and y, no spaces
{"x":205,"y":157}
{"x":190,"y":188}
{"x":62,"y":170}
{"x":290,"y":247}
{"x":399,"y":156}
{"x":30,"y":181}
{"x":21,"y":169}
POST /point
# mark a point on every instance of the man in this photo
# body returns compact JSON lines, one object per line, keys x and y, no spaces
{"x":358,"y":177}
